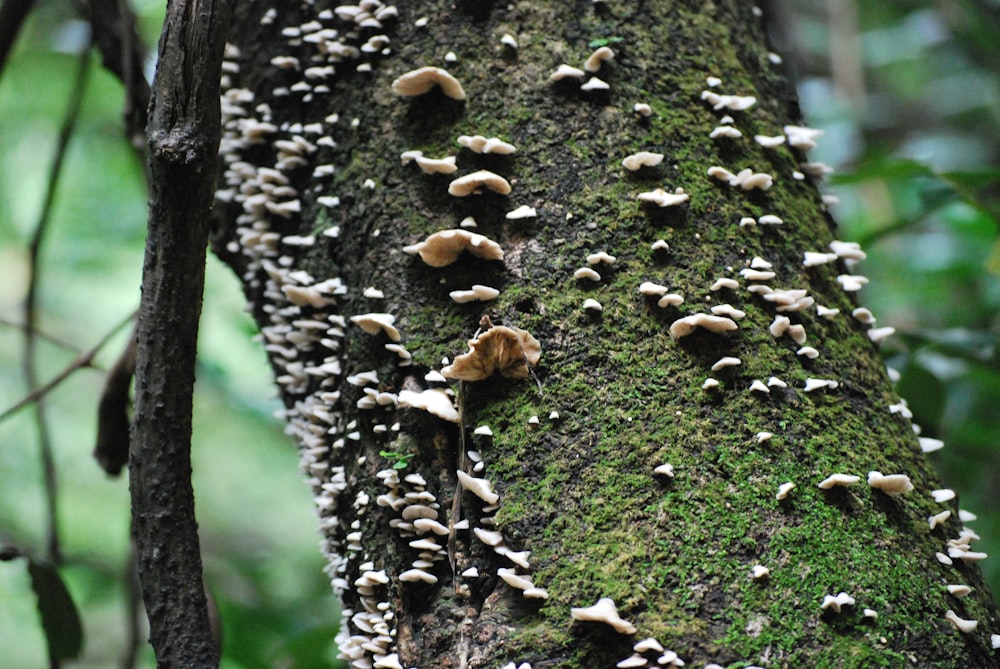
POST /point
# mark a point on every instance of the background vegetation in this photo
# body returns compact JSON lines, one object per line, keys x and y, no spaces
{"x":908,"y":96}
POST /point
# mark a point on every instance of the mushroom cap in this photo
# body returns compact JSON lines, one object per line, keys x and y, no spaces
{"x":436,"y":165}
{"x":642,"y":159}
{"x":372,"y":323}
{"x":508,"y":350}
{"x":433,"y":401}
{"x":566,"y":71}
{"x":476,"y":181}
{"x":596,"y":59}
{"x":443,"y":248}
{"x":604,"y":611}
{"x":893,"y":484}
{"x":423,"y":79}
{"x":685,"y":326}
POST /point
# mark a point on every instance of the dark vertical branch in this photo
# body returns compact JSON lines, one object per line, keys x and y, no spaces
{"x":31,"y":308}
{"x":12,"y":15}
{"x":183,"y":139}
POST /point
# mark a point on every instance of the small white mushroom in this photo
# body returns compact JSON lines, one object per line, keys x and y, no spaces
{"x":758,"y":387}
{"x":838,"y":480}
{"x":481,"y":488}
{"x":566,"y":71}
{"x":422,"y":80}
{"x":633,"y":662}
{"x":476,"y":181}
{"x":586,"y":273}
{"x":604,"y":611}
{"x":416,"y":575}
{"x":719,"y":284}
{"x":375,"y":322}
{"x":816,"y":384}
{"x":812,"y":258}
{"x":670,"y":300}
{"x":666,"y":469}
{"x":726,"y":361}
{"x":642,"y":159}
{"x":483,"y":431}
{"x":961,"y":624}
{"x":938,"y":518}
{"x":436,"y":166}
{"x":601,"y":257}
{"x":709,"y":384}
{"x":726,"y":131}
{"x":685,"y":326}
{"x":590,"y":304}
{"x":508,"y":40}
{"x":595,"y":84}
{"x":662,"y":198}
{"x":784,"y":489}
{"x":943,"y":495}
{"x":893,"y":484}
{"x":433,"y":401}
{"x":649,"y":644}
{"x":836,"y":602}
{"x":769,"y":142}
{"x":524,"y":211}
{"x":642,"y":109}
{"x":929,"y":444}
{"x":477,"y":292}
{"x":598,"y":58}
{"x":759,"y":571}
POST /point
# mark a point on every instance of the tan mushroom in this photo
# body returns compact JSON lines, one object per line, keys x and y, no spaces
{"x":508,"y":350}
{"x":443,"y":248}
{"x":423,"y":79}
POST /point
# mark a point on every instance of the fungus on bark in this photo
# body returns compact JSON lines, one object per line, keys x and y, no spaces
{"x":475,"y":182}
{"x":604,"y":611}
{"x":443,"y":248}
{"x":508,"y":350}
{"x":423,"y":79}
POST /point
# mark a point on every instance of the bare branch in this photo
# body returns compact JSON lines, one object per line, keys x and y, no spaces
{"x":183,"y":138}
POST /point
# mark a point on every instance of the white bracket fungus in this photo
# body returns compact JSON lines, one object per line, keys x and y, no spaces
{"x":601,"y":257}
{"x":443,"y":248}
{"x":685,"y":326}
{"x":938,"y":518}
{"x":838,"y":480}
{"x":734,"y":102}
{"x":594,"y":85}
{"x":642,"y":109}
{"x":475,"y":182}
{"x":727,"y":361}
{"x":670,"y":300}
{"x":481,"y":488}
{"x":633,"y":662}
{"x":437,"y":166}
{"x":784,"y":489}
{"x":478,"y":292}
{"x":434,"y":401}
{"x":802,"y":138}
{"x":524,"y":211}
{"x":893,"y":484}
{"x":759,"y":387}
{"x":719,"y":284}
{"x":422,"y":80}
{"x":943,"y":495}
{"x":959,"y":590}
{"x":836,"y":602}
{"x":567,"y":71}
{"x":598,"y":58}
{"x":480,"y":144}
{"x":726,"y":131}
{"x":759,"y":571}
{"x":817,"y":384}
{"x":728,"y":310}
{"x":508,"y":40}
{"x":604,"y":611}
{"x":666,"y":469}
{"x":813,"y":258}
{"x":769,"y":142}
{"x":662,"y":198}
{"x":642,"y":159}
{"x":372,"y":323}
{"x":590,"y":304}
{"x":650,"y":288}
{"x":586,"y":273}
{"x":961,"y":624}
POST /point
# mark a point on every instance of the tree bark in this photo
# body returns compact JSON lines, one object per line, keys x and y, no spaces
{"x":316,"y":208}
{"x":184,"y":131}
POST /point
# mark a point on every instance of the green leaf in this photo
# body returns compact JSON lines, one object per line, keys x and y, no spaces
{"x":60,"y":619}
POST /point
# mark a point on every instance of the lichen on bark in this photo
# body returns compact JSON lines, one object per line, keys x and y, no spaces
{"x":576,"y":486}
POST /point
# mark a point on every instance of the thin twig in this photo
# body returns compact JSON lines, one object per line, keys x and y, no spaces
{"x":41,"y":334}
{"x":85,"y":359}
{"x":31,"y":305}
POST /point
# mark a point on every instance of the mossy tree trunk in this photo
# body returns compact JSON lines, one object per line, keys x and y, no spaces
{"x":316,"y":208}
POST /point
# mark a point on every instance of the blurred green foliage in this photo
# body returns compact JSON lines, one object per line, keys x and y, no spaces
{"x":911,"y":112}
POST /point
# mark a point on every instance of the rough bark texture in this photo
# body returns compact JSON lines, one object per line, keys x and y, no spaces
{"x":577,"y":490}
{"x":183,"y":140}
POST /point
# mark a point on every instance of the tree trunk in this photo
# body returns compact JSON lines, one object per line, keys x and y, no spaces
{"x":315,"y":210}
